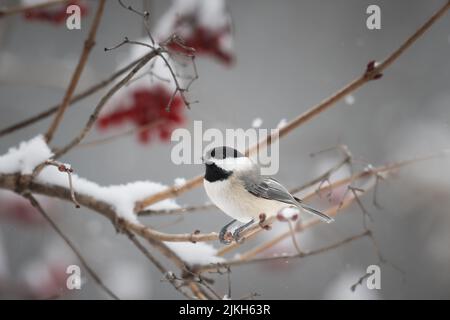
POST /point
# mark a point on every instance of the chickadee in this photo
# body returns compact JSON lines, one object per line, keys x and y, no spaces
{"x":234,"y":184}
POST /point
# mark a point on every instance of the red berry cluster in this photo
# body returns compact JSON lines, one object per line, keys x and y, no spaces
{"x":148,"y":106}
{"x":203,"y":40}
{"x":55,"y":16}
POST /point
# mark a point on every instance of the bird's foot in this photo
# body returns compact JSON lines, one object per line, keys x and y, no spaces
{"x":225,"y":236}
{"x":237,"y":233}
{"x":238,"y":237}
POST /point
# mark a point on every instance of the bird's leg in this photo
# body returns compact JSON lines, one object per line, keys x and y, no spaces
{"x":223,"y":233}
{"x":237,"y":232}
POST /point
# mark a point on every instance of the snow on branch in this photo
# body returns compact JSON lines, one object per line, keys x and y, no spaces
{"x":29,"y":154}
{"x":195,"y":253}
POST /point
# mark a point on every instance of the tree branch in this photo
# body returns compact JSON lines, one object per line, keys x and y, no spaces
{"x":158,"y":265}
{"x":59,"y":153}
{"x":88,"y":45}
{"x":82,"y":95}
{"x":80,"y":257}
{"x":240,"y":262}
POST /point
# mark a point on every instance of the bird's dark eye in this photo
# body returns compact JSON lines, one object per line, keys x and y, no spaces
{"x":213,"y":153}
{"x":235,"y":153}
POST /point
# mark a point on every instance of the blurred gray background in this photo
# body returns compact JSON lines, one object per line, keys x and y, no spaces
{"x":290,"y":55}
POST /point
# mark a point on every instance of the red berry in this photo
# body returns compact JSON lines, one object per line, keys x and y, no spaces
{"x":148,"y":106}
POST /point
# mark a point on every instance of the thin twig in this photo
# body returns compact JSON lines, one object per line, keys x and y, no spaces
{"x":360,"y":280}
{"x":126,"y":133}
{"x":176,"y":211}
{"x":145,"y":17}
{"x":293,"y":236}
{"x":87,"y":48}
{"x":174,"y":38}
{"x":198,"y":278}
{"x":82,"y":95}
{"x":80,"y":257}
{"x":102,"y":103}
{"x":63,"y":168}
{"x":157,"y":263}
{"x":239,"y":261}
{"x":327,"y":174}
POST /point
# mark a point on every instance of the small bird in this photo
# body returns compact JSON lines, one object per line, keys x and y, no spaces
{"x":234,"y":184}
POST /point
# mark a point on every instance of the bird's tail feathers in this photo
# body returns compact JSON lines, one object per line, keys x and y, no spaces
{"x":321,"y":215}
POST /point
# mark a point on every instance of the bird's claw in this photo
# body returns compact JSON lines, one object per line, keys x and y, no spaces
{"x":225,"y":236}
{"x":237,"y":236}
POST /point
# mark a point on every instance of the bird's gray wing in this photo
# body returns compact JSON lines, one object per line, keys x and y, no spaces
{"x":269,"y":188}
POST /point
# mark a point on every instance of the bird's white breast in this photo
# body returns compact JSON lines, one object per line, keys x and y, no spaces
{"x":230,"y":196}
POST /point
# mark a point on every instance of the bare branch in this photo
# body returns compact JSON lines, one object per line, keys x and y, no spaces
{"x":82,"y":95}
{"x":88,"y":45}
{"x":80,"y":257}
{"x":157,"y":264}
{"x":360,"y":280}
{"x":145,"y":18}
{"x":177,"y":211}
{"x":102,"y":103}
{"x":129,"y":132}
{"x":63,"y":168}
{"x":327,"y":174}
{"x":239,"y":261}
